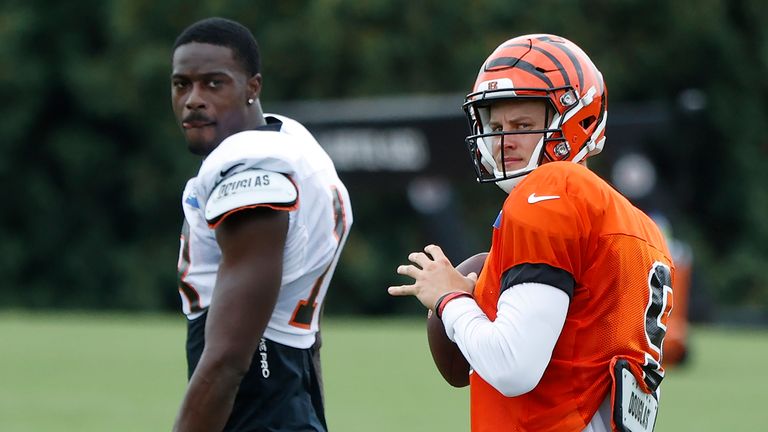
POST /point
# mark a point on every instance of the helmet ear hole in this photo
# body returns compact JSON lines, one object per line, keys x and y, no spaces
{"x":587,"y":122}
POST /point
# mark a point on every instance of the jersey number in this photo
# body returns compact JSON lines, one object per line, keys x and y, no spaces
{"x":305,"y":309}
{"x":656,"y":318}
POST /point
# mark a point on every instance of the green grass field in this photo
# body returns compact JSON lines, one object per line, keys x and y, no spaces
{"x":127,"y":373}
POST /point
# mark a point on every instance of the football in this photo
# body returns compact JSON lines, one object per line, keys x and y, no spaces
{"x":447,"y":357}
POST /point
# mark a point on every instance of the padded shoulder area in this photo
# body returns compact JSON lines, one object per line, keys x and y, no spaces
{"x":251,"y":188}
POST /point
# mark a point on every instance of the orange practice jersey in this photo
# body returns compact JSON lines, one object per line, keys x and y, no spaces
{"x":566,"y":227}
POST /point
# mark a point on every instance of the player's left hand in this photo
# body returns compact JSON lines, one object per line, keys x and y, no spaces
{"x":433,"y":275}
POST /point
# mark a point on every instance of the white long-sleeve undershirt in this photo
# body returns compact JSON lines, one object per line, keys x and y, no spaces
{"x":512,"y":352}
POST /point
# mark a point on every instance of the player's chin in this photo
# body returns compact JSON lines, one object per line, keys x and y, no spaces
{"x":200,"y":145}
{"x":511,"y":166}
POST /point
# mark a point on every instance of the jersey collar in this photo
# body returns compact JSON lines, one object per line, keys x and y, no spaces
{"x":273,"y":125}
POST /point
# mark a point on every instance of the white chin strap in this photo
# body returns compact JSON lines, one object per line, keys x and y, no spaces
{"x":509,"y":184}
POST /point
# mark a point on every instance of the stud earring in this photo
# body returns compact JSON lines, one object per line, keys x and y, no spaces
{"x":250,"y":101}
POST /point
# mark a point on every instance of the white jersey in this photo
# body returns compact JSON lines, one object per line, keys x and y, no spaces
{"x":280,"y":166}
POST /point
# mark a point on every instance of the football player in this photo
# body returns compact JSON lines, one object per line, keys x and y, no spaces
{"x":564,"y":327}
{"x":265,"y":220}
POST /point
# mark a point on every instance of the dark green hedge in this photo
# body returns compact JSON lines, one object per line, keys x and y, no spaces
{"x":92,"y":163}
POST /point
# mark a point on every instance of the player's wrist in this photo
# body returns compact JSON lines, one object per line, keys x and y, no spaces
{"x":447,"y":297}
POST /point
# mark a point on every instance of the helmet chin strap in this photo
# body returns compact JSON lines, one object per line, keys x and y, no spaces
{"x":486,"y":157}
{"x":509,"y":184}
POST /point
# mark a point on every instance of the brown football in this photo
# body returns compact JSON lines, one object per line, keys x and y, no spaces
{"x":447,"y":357}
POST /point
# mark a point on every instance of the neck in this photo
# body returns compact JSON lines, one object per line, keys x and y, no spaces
{"x":256,"y":115}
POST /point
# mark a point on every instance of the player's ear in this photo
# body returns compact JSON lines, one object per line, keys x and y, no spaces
{"x":254,"y":86}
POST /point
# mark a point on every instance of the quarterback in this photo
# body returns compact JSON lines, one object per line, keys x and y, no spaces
{"x":563,"y":329}
{"x":265,"y":220}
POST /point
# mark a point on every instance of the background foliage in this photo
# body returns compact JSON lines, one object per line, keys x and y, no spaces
{"x":93,"y":164}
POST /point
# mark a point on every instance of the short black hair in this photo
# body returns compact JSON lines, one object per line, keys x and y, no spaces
{"x":227,"y":33}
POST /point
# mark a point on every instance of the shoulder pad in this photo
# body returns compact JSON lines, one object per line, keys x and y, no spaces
{"x":251,"y":188}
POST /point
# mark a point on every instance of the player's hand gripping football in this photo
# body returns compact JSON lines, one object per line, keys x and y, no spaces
{"x":433,"y":275}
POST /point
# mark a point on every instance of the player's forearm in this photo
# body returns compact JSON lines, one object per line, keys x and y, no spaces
{"x":209,"y":398}
{"x":233,"y":330}
{"x":512,"y":352}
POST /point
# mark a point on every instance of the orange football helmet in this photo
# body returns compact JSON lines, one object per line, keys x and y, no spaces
{"x":546,"y":67}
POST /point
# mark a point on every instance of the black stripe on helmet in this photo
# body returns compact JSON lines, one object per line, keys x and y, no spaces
{"x":514,"y":62}
{"x":557,"y":63}
{"x":570,"y":55}
{"x":498,"y":62}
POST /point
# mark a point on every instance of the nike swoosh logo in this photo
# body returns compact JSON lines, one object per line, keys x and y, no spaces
{"x":533,"y":199}
{"x":224,"y":173}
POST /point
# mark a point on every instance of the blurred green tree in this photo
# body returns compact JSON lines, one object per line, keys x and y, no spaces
{"x":93,"y":164}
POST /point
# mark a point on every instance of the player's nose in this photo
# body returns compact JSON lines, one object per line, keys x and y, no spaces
{"x":195,"y":100}
{"x":506,"y":143}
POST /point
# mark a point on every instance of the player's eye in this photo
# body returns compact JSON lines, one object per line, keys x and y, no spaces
{"x":214,"y":83}
{"x":179,"y":84}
